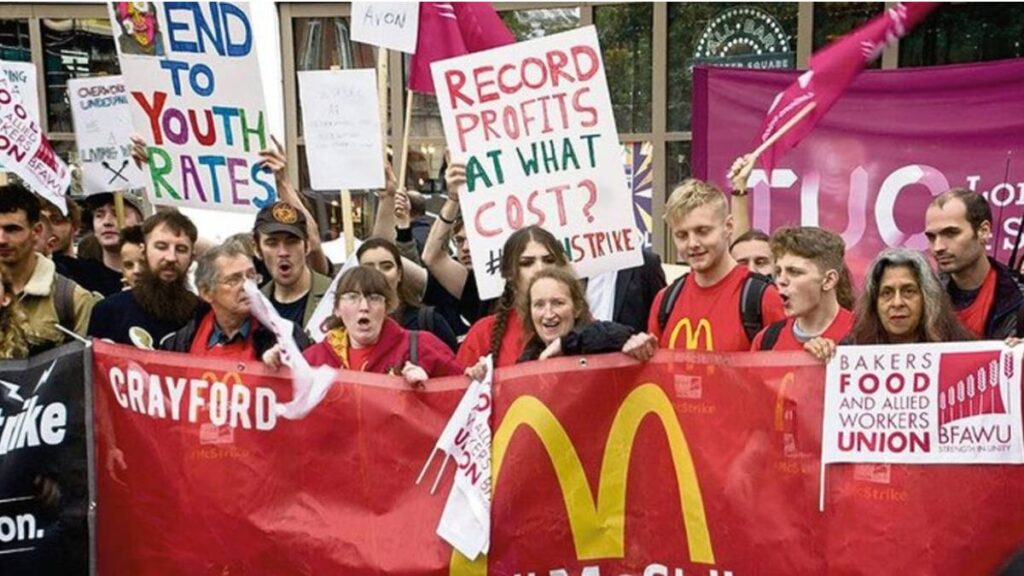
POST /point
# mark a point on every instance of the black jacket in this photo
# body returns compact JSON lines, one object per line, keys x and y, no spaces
{"x":635,"y":289}
{"x":593,"y":338}
{"x":263,"y":338}
{"x":1006,"y":318}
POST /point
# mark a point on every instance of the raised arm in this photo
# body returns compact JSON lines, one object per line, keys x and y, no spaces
{"x":384,"y":223}
{"x":739,"y":174}
{"x":451,"y":274}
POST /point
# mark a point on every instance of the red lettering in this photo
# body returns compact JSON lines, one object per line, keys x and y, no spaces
{"x":478,"y":221}
{"x":210,"y":136}
{"x":531,"y":205}
{"x":489,"y":118}
{"x":581,"y":74}
{"x":511,"y":121}
{"x":579,"y":107}
{"x":556,"y":62}
{"x":481,"y":85}
{"x":153,"y":113}
{"x":455,"y":80}
{"x":539,"y":65}
{"x":560,"y":202}
{"x":514,"y":212}
{"x":508,"y":88}
{"x":463,"y":128}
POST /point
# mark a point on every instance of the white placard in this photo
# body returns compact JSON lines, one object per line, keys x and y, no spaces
{"x":341,"y":125}
{"x":25,"y":151}
{"x":392,"y":25}
{"x":197,"y":99}
{"x":533,"y":123}
{"x":103,"y":129}
{"x":924,"y":404}
{"x":21,"y":78}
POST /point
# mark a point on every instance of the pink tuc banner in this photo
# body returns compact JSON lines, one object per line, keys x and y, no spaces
{"x":871,"y":165}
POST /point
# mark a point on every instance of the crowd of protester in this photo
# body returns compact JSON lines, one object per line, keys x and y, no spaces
{"x":412,"y":307}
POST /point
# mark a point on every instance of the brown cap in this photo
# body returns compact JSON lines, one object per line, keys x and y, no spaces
{"x":281,"y":217}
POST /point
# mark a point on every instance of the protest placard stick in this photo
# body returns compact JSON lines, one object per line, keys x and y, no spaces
{"x":404,"y":158}
{"x":785,"y":128}
{"x":382,"y":96}
{"x":119,"y":208}
{"x":346,"y":221}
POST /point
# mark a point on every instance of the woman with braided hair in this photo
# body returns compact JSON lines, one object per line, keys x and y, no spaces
{"x":526,"y":251}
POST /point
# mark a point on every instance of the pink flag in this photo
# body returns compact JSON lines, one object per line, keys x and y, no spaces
{"x":831,"y":72}
{"x":453,"y":29}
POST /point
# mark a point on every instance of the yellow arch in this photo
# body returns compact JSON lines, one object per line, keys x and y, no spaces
{"x":599,"y":531}
{"x":693,"y":336}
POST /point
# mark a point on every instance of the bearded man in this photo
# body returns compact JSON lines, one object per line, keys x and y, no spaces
{"x":160,"y":303}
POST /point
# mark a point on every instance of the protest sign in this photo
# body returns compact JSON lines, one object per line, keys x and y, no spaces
{"x":613,"y":467}
{"x":341,"y":125}
{"x":21,"y":77}
{"x":533,"y":123}
{"x":924,"y":404}
{"x":103,"y":129}
{"x":875,"y":161}
{"x":392,"y":25}
{"x":196,"y":98}
{"x":44,"y":464}
{"x":25,"y":151}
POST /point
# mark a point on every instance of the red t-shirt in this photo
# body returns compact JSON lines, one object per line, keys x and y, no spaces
{"x":478,"y":341}
{"x":974,"y":316}
{"x":357,"y":357}
{"x":836,"y":331}
{"x":708,"y":317}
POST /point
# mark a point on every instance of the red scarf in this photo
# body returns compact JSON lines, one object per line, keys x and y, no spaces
{"x":974,"y":316}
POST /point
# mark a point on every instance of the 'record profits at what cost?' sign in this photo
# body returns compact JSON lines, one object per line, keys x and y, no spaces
{"x":533,"y":124}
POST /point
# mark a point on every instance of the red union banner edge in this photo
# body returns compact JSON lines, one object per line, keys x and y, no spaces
{"x":606,"y":468}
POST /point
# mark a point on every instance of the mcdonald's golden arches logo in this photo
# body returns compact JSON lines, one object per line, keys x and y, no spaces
{"x":598,"y":525}
{"x":693,"y":335}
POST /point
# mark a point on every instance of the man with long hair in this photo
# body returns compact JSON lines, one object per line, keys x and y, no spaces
{"x":988,"y":300}
{"x":160,"y":303}
{"x":903,"y":303}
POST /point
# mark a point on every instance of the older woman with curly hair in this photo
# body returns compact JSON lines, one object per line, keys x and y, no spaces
{"x":13,"y":344}
{"x":903,"y":303}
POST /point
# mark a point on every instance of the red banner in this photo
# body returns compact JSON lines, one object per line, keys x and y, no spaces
{"x":700,"y":462}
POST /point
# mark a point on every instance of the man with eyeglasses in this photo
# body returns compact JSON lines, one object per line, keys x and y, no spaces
{"x":224,"y":325}
{"x":160,"y":302}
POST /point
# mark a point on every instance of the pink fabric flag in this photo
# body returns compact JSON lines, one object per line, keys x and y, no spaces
{"x":831,"y":72}
{"x":453,"y":29}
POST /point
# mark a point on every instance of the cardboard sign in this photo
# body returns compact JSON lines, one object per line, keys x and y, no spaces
{"x":392,"y":25}
{"x":341,"y":125}
{"x":25,"y":151}
{"x":21,"y":77}
{"x":103,"y":129}
{"x":924,"y":404}
{"x":533,"y":123}
{"x":196,"y":98}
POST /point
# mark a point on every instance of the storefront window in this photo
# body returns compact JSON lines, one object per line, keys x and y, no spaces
{"x":966,"y":32}
{"x":677,"y":165}
{"x":761,"y":35}
{"x":625,"y":33}
{"x":14,"y":41}
{"x":531,"y":24}
{"x":74,"y":49}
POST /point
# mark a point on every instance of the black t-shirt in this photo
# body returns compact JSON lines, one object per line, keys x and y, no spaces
{"x":121,"y":319}
{"x":94,"y":276}
{"x":294,"y":311}
{"x":961,"y":298}
{"x":460,"y":313}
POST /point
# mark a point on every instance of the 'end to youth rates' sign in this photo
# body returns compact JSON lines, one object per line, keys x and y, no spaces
{"x":196,"y":98}
{"x":924,"y":404}
{"x":533,"y":123}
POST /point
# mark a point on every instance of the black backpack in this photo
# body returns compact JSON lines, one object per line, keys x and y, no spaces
{"x":771,"y":335}
{"x":750,"y":303}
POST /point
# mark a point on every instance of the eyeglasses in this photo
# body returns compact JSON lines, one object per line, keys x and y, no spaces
{"x":235,"y":280}
{"x":355,"y":297}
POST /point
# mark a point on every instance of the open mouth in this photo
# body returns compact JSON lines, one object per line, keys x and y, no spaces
{"x":363,"y":322}
{"x":284,"y":267}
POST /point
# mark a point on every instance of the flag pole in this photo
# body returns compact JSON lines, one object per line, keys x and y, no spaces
{"x":404,"y":158}
{"x":346,"y":221}
{"x":785,"y":128}
{"x":119,"y":208}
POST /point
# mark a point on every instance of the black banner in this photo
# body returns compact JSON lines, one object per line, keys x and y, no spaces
{"x":45,"y":450}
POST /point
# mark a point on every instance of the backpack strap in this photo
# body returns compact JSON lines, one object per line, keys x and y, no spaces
{"x":64,"y":301}
{"x":669,"y":301}
{"x":425,"y":321}
{"x":750,"y":303}
{"x":414,"y":346}
{"x":771,"y":335}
